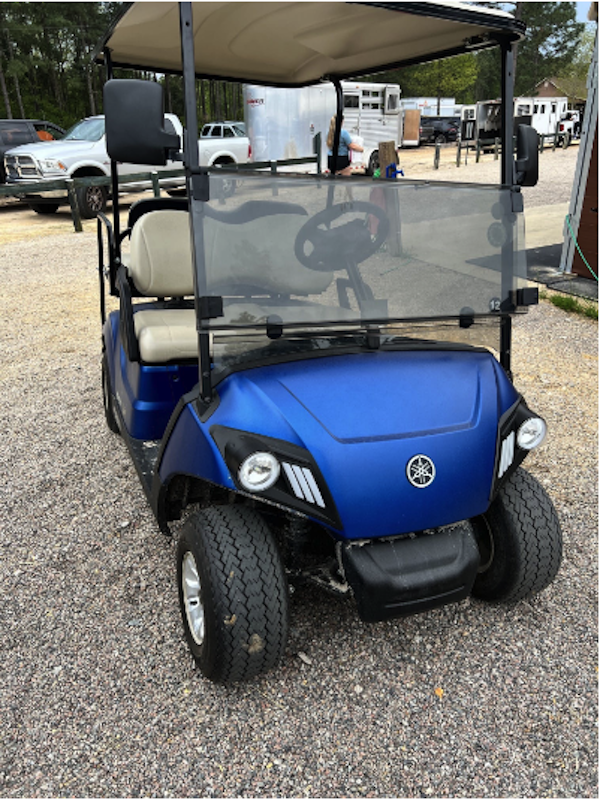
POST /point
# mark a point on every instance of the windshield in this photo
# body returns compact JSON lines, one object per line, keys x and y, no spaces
{"x":290,"y":256}
{"x":88,"y":130}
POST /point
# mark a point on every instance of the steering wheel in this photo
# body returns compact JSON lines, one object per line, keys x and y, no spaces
{"x":334,"y":248}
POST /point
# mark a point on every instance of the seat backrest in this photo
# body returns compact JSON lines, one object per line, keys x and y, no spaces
{"x":160,"y":254}
{"x":248,"y":250}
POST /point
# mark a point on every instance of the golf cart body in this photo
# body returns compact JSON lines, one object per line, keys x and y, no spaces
{"x":318,"y":367}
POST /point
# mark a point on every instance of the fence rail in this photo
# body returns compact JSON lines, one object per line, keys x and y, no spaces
{"x":70,"y":185}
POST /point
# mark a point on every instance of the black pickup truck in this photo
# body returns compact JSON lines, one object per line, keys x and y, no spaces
{"x":23,"y":131}
{"x":439,"y":129}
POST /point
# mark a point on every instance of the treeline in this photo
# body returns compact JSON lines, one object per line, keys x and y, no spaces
{"x":46,"y":68}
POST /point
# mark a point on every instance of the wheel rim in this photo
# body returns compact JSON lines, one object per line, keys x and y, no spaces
{"x":192,"y":598}
{"x":95,"y":198}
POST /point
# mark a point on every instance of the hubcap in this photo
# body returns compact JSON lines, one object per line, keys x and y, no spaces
{"x":95,"y":198}
{"x":192,"y":599}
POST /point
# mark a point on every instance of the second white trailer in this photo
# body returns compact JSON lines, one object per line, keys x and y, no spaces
{"x":282,"y":123}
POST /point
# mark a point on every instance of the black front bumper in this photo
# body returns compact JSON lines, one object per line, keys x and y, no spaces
{"x":399,"y":577}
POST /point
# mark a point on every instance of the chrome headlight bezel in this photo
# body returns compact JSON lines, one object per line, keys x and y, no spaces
{"x":531,"y":433}
{"x":299,"y":484}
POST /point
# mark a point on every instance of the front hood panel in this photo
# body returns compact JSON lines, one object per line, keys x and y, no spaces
{"x":364,"y":418}
{"x":53,"y":149}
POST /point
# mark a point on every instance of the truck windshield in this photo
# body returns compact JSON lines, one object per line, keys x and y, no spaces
{"x":88,"y":130}
{"x":306,"y":259}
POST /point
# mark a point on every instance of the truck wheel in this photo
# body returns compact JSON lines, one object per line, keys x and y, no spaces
{"x":44,"y":208}
{"x":520,"y":542}
{"x":108,"y":400}
{"x":91,"y":200}
{"x":233,"y":593}
{"x":373,"y":163}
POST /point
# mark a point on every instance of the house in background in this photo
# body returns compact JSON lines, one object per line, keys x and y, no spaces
{"x":574,"y":90}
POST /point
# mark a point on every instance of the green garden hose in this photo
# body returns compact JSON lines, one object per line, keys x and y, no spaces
{"x":568,"y":221}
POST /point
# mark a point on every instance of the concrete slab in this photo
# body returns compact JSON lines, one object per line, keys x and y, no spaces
{"x":544,"y":235}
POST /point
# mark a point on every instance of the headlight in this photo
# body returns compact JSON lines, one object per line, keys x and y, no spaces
{"x":52,"y":165}
{"x":259,"y":472}
{"x":531,"y":433}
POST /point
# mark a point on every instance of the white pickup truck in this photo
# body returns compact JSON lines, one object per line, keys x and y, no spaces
{"x":224,"y":143}
{"x":82,"y":153}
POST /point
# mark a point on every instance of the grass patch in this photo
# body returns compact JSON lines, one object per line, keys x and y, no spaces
{"x":572,"y":305}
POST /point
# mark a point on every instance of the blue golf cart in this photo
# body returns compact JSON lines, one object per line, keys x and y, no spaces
{"x":312,"y":373}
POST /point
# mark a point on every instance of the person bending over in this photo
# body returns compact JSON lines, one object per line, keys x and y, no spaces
{"x":344,"y":167}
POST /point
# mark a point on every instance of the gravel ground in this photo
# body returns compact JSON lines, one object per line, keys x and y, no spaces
{"x":99,"y":695}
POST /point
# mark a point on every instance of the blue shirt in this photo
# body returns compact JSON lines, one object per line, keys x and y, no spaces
{"x":345,"y":141}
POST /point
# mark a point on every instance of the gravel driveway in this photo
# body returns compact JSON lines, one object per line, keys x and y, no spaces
{"x":99,"y":696}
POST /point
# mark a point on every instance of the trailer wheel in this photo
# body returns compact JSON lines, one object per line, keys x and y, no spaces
{"x":108,"y":400}
{"x":373,"y":163}
{"x":233,"y":593}
{"x":520,"y":542}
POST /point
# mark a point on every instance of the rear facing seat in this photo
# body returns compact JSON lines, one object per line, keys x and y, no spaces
{"x":241,"y":254}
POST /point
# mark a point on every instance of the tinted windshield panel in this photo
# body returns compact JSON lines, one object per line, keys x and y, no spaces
{"x":88,"y":130}
{"x":308,"y":252}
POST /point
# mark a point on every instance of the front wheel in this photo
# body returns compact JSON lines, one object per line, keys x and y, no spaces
{"x":91,"y":200}
{"x":520,"y":542}
{"x":233,"y":593}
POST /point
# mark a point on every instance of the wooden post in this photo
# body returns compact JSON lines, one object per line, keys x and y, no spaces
{"x":155,"y":184}
{"x":388,"y":155}
{"x":75,"y":213}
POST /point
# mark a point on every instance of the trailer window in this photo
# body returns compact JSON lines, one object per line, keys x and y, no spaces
{"x":543,"y":109}
{"x":535,"y":108}
{"x":554,"y":108}
{"x":351,"y":101}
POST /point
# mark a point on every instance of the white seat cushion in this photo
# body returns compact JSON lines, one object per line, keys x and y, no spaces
{"x":166,"y":334}
{"x":170,"y":334}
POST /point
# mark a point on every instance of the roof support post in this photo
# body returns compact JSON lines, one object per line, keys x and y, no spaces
{"x":339,"y":115}
{"x":197,"y":184}
{"x":507,"y":177}
{"x":114,"y":177}
{"x":507,"y":111}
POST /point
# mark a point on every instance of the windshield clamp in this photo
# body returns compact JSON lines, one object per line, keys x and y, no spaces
{"x":210,"y":307}
{"x":200,"y":184}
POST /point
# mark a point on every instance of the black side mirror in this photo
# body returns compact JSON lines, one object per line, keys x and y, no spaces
{"x":135,"y":123}
{"x":527,"y":163}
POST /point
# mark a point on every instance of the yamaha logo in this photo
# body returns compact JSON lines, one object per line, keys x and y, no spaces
{"x":420,"y":471}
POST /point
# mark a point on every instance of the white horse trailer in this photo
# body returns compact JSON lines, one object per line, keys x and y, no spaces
{"x":482,"y":120}
{"x":433,"y":106}
{"x":282,"y":123}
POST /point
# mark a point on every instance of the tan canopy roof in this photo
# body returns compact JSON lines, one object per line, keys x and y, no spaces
{"x":299,"y":43}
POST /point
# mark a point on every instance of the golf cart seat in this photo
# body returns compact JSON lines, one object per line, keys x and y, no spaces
{"x":253,"y":270}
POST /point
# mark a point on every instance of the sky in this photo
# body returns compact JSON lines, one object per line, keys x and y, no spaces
{"x":582,"y":10}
